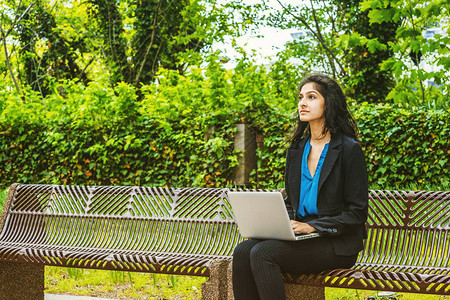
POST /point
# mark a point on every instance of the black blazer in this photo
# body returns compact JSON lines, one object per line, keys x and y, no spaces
{"x":342,"y":198}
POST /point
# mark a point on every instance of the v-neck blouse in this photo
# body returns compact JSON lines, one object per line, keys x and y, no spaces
{"x":309,"y":184}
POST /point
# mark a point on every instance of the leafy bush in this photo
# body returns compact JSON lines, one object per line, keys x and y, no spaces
{"x":179,"y":132}
{"x":403,"y":147}
{"x":406,"y":146}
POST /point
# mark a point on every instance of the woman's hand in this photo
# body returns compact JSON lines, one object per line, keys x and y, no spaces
{"x":304,"y":228}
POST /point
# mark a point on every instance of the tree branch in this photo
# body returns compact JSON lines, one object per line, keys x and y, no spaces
{"x":156,"y":58}
{"x":318,"y":35}
{"x":4,"y":35}
{"x":8,"y":62}
{"x":84,"y":69}
{"x":322,"y":40}
{"x":155,"y":16}
{"x":19,"y":18}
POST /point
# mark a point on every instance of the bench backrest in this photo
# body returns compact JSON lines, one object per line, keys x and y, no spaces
{"x":156,"y":220}
{"x":407,"y":230}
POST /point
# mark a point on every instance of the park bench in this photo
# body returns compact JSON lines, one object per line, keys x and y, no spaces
{"x":191,"y":231}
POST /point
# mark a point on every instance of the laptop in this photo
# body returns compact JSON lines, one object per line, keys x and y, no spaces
{"x":263,"y":215}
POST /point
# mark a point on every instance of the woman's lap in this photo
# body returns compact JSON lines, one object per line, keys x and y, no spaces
{"x":297,"y":257}
{"x":259,"y":264}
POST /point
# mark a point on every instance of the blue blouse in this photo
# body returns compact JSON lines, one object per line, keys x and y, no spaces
{"x":309,"y":184}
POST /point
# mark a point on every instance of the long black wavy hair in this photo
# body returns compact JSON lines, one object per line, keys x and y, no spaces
{"x":337,"y":115}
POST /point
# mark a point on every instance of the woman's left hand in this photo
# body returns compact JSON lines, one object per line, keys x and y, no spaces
{"x":302,"y":227}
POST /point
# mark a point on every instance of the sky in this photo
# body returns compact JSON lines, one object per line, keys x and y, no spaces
{"x":265,"y":41}
{"x":269,"y":45}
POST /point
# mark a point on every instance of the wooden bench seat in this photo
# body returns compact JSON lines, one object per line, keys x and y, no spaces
{"x":191,"y":231}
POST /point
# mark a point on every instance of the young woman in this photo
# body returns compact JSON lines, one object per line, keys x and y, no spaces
{"x":327,"y":192}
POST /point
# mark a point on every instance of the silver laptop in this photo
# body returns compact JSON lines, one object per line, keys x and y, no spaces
{"x":263,"y":215}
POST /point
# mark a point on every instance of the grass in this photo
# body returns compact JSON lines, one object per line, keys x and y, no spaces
{"x":3,"y":194}
{"x":349,"y":294}
{"x":125,"y":285}
{"x":121,"y":285}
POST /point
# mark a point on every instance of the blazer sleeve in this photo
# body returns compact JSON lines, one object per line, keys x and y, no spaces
{"x":355,"y":195}
{"x":289,"y":208}
{"x":287,"y":200}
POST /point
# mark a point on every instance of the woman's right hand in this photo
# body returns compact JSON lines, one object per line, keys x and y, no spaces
{"x":300,"y":227}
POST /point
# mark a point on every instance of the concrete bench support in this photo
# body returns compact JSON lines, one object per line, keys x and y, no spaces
{"x":21,"y":281}
{"x":220,"y":286}
{"x":306,"y":292}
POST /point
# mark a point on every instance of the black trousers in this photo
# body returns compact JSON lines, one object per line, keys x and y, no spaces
{"x":258,"y":265}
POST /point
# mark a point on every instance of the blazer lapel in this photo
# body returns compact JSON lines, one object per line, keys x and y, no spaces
{"x":330,"y":159}
{"x":295,"y":172}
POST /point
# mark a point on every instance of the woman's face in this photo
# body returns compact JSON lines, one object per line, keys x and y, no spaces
{"x":311,"y":106}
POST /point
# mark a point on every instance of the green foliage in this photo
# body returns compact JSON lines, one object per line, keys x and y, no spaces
{"x":57,"y":59}
{"x":111,"y":33}
{"x":119,"y":285}
{"x":344,"y":43}
{"x":376,"y":48}
{"x":405,"y":145}
{"x":75,"y":273}
{"x":3,"y":194}
{"x":95,"y":283}
{"x":126,"y":41}
{"x":353,"y":294}
{"x":181,"y":133}
{"x":413,"y":50}
{"x":380,"y":50}
{"x":364,"y":49}
{"x":120,"y":277}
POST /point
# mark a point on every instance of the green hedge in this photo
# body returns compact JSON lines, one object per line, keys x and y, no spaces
{"x":406,"y":146}
{"x":132,"y":154}
{"x":402,"y":147}
{"x":177,"y":132}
